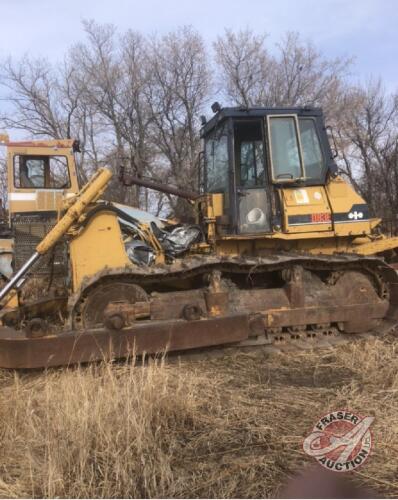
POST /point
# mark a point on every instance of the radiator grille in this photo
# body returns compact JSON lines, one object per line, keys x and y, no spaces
{"x":29,"y":230}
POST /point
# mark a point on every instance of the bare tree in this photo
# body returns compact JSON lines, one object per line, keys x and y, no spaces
{"x":369,"y":130}
{"x":114,"y":77}
{"x":46,"y":101}
{"x":179,"y":87}
{"x":305,"y":77}
{"x":296,"y":74}
{"x":247,"y":69}
{"x":99,"y":74}
{"x":35,"y":94}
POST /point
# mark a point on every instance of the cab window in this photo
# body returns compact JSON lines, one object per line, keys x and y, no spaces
{"x":41,"y":172}
{"x":249,"y":153}
{"x":285,"y":156}
{"x":217,"y":165}
{"x":295,"y":149}
{"x":252,"y":164}
{"x":312,"y":153}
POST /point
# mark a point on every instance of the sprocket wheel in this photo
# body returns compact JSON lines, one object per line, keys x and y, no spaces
{"x":89,"y":312}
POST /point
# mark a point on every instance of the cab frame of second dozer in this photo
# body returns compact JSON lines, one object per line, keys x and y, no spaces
{"x":282,"y":247}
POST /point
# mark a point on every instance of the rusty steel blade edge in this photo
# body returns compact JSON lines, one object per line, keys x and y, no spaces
{"x":204,"y":338}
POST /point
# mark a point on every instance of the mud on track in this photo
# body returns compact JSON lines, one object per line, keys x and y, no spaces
{"x":228,"y":426}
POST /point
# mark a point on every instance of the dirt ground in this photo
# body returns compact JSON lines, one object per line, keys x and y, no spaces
{"x":230,"y":426}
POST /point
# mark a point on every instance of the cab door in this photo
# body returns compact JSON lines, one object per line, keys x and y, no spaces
{"x":250,"y":178}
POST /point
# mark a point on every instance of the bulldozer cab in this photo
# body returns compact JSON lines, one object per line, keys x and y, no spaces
{"x":260,"y":157}
{"x":40,"y":174}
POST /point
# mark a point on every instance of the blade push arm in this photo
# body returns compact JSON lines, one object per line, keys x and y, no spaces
{"x":128,"y":179}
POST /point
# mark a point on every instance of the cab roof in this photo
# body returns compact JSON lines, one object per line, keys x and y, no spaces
{"x":255,"y":112}
{"x":41,"y":143}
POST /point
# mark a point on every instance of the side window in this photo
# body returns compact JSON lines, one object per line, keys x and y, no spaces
{"x":58,"y":172}
{"x":285,"y":156}
{"x":312,"y":153}
{"x":217,"y":165}
{"x":41,"y":172}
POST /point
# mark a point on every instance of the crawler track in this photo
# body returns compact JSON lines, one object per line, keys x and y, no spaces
{"x":282,"y":302}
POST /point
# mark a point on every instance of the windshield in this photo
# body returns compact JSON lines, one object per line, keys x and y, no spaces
{"x":295,"y":156}
{"x":43,"y":172}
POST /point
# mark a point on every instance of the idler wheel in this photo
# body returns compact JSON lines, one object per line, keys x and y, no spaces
{"x":95,"y":309}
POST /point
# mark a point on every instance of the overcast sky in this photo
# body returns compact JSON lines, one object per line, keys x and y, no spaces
{"x":366,"y":29}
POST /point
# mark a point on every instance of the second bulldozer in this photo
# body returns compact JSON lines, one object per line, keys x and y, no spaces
{"x":282,"y":250}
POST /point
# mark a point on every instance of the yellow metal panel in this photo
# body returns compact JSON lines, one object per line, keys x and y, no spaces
{"x":308,"y":208}
{"x":369,"y":247}
{"x":264,"y":246}
{"x":9,"y":302}
{"x":217,"y":201}
{"x":214,"y":205}
{"x":304,"y":197}
{"x":6,"y":244}
{"x":338,"y":188}
{"x":100,"y":245}
{"x":88,"y":194}
{"x":342,"y":197}
{"x":38,"y":144}
{"x":317,"y":244}
{"x":279,"y":236}
{"x":48,"y":199}
{"x":352,"y":228}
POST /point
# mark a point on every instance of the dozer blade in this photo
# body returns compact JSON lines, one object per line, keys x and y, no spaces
{"x":19,"y":352}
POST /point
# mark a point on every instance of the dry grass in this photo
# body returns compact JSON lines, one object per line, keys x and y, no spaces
{"x":228,"y":427}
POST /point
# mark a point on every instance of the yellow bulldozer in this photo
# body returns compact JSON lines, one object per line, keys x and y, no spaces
{"x":282,"y":250}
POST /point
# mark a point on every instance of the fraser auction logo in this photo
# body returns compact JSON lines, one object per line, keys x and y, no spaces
{"x":340,"y":441}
